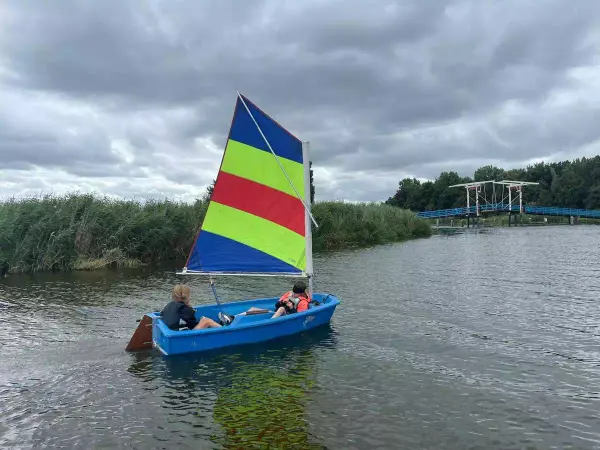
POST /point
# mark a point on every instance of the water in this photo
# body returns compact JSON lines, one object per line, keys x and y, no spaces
{"x":480,"y":340}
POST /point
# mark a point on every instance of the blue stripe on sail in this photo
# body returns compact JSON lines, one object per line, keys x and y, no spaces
{"x":214,"y":253}
{"x":244,"y":130}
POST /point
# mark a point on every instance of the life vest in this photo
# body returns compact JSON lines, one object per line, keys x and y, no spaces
{"x":300,"y":303}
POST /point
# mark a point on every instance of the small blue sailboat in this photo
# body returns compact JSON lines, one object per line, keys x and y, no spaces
{"x":258,"y":223}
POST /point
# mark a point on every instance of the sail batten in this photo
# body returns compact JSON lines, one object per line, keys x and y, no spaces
{"x":256,"y":218}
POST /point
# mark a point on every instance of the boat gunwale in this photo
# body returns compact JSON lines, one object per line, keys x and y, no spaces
{"x":167,"y":332}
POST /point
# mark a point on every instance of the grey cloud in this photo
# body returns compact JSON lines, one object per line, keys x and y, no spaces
{"x":409,"y":87}
{"x":20,"y":147}
{"x":348,"y":48}
{"x":533,"y":134}
{"x":95,"y":171}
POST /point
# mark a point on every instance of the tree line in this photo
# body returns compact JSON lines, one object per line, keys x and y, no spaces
{"x":569,"y":184}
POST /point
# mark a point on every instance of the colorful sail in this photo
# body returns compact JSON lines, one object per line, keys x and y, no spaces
{"x":256,"y":219}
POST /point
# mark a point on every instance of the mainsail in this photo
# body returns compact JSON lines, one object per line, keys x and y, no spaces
{"x":258,"y":217}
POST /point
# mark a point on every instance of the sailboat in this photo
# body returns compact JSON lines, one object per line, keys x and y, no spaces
{"x":258,"y":223}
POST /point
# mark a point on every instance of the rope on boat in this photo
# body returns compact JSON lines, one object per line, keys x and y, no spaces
{"x":214,"y":289}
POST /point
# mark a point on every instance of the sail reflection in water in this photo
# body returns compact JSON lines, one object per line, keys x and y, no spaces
{"x":257,"y":398}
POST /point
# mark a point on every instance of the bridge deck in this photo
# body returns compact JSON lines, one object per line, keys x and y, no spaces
{"x":499,"y":207}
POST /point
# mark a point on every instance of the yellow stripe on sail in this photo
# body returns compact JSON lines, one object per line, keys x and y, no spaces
{"x":260,"y":166}
{"x":256,"y":232}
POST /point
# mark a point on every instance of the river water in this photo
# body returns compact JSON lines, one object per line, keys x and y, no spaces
{"x":485,"y":339}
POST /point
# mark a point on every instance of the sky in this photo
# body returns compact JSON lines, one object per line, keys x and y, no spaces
{"x":134,"y":98}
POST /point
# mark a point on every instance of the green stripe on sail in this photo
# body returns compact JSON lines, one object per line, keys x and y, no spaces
{"x":256,"y":232}
{"x":260,"y":166}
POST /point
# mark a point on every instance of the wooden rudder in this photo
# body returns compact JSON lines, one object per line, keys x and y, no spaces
{"x":142,"y":338}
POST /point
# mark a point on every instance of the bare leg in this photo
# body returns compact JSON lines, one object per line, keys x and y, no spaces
{"x":205,"y":322}
{"x":280,"y":312}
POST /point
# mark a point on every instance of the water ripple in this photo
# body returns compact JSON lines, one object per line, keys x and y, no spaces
{"x":478,"y":340}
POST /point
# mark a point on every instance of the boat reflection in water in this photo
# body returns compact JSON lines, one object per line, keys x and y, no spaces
{"x":253,"y":396}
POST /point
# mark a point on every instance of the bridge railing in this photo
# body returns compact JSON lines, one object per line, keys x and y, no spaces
{"x":556,"y":211}
{"x":451,"y":212}
{"x":498,"y":207}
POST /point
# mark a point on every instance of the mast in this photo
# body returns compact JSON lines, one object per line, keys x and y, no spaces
{"x":308,"y":216}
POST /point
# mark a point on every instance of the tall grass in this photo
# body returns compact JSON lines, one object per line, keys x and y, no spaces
{"x":344,"y":225}
{"x":80,"y":231}
{"x":83,"y":231}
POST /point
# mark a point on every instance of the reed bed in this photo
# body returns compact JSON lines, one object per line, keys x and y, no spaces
{"x":343,"y":225}
{"x":87,"y":232}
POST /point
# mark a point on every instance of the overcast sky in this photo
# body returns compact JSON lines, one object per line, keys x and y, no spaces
{"x":134,"y":98}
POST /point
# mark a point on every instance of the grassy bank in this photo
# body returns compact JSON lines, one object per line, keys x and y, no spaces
{"x":81,"y":231}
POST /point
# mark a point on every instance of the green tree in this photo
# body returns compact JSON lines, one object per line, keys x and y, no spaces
{"x":592,"y":200}
{"x":209,"y":190}
{"x":408,"y":194}
{"x":490,"y":172}
{"x":448,"y":197}
{"x":574,"y":184}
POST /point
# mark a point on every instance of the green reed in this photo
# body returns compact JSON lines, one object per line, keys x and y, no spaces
{"x":343,"y":225}
{"x":84,"y":231}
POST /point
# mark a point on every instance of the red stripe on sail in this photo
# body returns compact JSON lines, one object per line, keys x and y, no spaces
{"x":260,"y":200}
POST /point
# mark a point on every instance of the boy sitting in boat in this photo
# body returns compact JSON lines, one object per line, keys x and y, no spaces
{"x":296,"y":300}
{"x":180,"y":308}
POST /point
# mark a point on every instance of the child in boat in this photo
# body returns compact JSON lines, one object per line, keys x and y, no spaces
{"x":296,"y":300}
{"x":180,"y":308}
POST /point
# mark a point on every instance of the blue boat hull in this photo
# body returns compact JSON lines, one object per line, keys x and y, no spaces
{"x":243,"y":330}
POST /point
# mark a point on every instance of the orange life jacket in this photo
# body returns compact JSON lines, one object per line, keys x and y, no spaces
{"x":300,"y":303}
